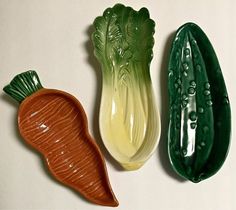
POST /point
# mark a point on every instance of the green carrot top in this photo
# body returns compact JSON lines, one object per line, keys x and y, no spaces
{"x":23,"y":85}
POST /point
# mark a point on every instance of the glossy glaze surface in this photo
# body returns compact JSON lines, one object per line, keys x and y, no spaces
{"x":55,"y":124}
{"x":129,"y":121}
{"x":200,"y":120}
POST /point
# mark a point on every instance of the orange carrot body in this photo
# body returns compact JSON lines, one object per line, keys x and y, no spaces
{"x":55,"y":124}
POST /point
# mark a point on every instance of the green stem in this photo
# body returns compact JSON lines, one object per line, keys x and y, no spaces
{"x":23,"y":85}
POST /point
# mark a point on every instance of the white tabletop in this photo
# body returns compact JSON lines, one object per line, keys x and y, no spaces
{"x":53,"y":37}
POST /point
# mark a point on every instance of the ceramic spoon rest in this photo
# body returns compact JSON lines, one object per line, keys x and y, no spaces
{"x":54,"y":123}
{"x":129,"y":120}
{"x":200,"y":119}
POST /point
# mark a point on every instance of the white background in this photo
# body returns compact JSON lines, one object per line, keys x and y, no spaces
{"x":53,"y":37}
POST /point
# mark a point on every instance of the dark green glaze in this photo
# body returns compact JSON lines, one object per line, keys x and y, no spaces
{"x":23,"y":85}
{"x":123,"y":40}
{"x":200,"y":119}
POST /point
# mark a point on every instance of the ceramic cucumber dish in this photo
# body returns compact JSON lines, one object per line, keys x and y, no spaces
{"x":200,"y":119}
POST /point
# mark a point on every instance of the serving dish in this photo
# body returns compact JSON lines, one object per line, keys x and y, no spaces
{"x":200,"y":119}
{"x":129,"y":120}
{"x":55,"y":124}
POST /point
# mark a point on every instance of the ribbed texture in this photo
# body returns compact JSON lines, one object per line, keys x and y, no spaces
{"x":56,"y":127}
{"x":23,"y":85}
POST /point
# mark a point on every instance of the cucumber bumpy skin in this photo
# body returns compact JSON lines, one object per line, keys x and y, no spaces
{"x":200,"y":118}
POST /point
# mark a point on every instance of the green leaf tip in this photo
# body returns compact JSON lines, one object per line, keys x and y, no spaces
{"x":23,"y":85}
{"x":122,"y":36}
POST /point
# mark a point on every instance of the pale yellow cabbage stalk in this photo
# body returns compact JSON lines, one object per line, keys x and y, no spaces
{"x":129,"y":120}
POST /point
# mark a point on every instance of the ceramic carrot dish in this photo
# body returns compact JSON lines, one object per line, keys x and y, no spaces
{"x":200,"y":119}
{"x":129,"y":120}
{"x":54,"y":123}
